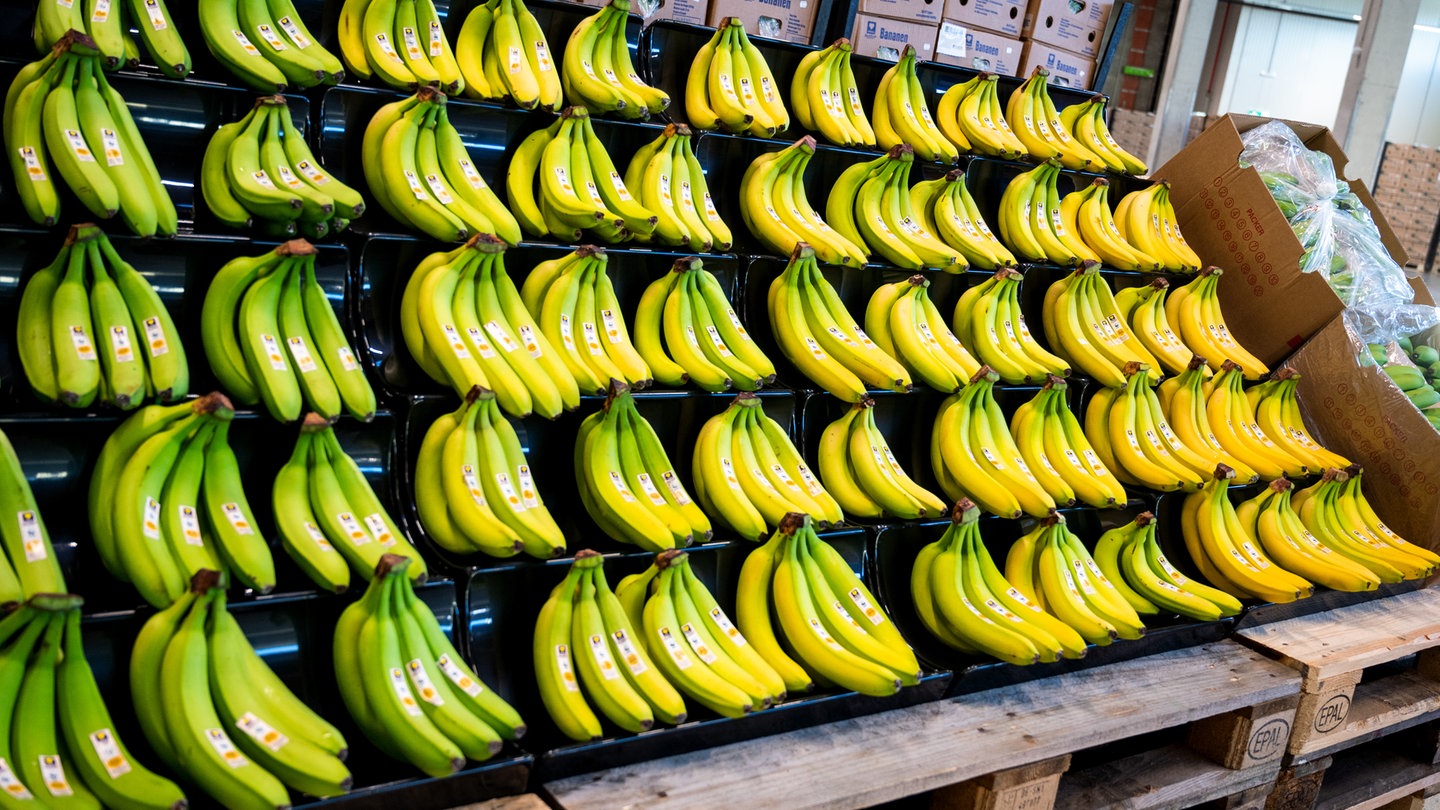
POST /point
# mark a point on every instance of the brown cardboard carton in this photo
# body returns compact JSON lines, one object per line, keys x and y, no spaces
{"x":694,"y":12}
{"x":790,"y":20}
{"x":1066,"y":69}
{"x":1073,"y":25}
{"x":1001,"y":16}
{"x":959,"y":44}
{"x":885,"y":38}
{"x":1230,"y":219}
{"x":1359,"y":413}
{"x":929,"y":11}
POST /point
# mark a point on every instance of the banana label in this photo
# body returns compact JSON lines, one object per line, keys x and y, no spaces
{"x":698,"y":644}
{"x":471,"y":175}
{"x":926,"y":334}
{"x":1018,"y":597}
{"x":648,"y":487}
{"x":855,"y":106}
{"x":610,"y":74}
{"x":594,"y":194}
{"x":311,"y":172}
{"x":1070,"y":583}
{"x":482,"y":345}
{"x":1002,"y":610}
{"x":542,"y":57}
{"x":262,"y":179}
{"x":10,"y":783}
{"x":879,"y":459}
{"x":53,"y":773}
{"x":672,"y":481}
{"x":33,"y":168}
{"x":225,"y":748}
{"x":665,"y":195}
{"x":507,"y":489}
{"x":588,"y":68}
{"x":154,"y":337}
{"x":236,"y":516}
{"x":686,"y":198}
{"x":357,"y":535}
{"x":293,"y":31}
{"x":726,"y":626}
{"x":261,"y":731}
{"x":775,"y":215}
{"x":812,"y":484}
{"x":65,"y":3}
{"x":784,"y":477}
{"x":271,"y":38}
{"x":497,"y":333}
{"x":767,"y":89}
{"x":992,"y":458}
{"x":1155,"y":442}
{"x":156,"y":14}
{"x":379,"y":529}
{"x":868,"y":610}
{"x":1024,"y":468}
{"x":720,"y":346}
{"x":725,"y":83}
{"x":1171,"y":571}
{"x":319,"y":537}
{"x":436,"y":38}
{"x":78,"y":146}
{"x":822,"y":634}
{"x":347,"y":359}
{"x":619,"y":185}
{"x":1010,"y":329}
{"x":107,"y":750}
{"x":592,"y":338}
{"x":245,"y":43}
{"x":619,"y":484}
{"x":528,"y":494}
{"x":412,"y":43}
{"x":385,"y":46}
{"x":111,"y":144}
{"x":457,"y":676}
{"x":747,"y":95}
{"x":31,"y":538}
{"x":302,"y":355}
{"x":729,"y":467}
{"x":672,"y":646}
{"x":457,"y":344}
{"x":413,"y":180}
{"x":627,"y":649}
{"x":1240,"y":558}
{"x":690,"y":336}
{"x":527,"y":336}
{"x":1049,"y":468}
{"x":566,"y":335}
{"x":402,"y":692}
{"x":517,"y":60}
{"x":1314,"y":542}
{"x":1260,"y":435}
{"x":1098,"y":574}
{"x":423,"y":685}
{"x":1134,"y":442}
{"x":150,"y":518}
{"x":190,"y":525}
{"x":612,"y":327}
{"x":437,"y":187}
{"x":840,"y":336}
{"x":600,"y":650}
{"x":1364,"y":538}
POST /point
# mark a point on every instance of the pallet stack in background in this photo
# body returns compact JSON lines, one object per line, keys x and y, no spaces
{"x":1408,"y":191}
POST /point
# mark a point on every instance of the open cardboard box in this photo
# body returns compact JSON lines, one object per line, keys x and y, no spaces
{"x":1230,"y":219}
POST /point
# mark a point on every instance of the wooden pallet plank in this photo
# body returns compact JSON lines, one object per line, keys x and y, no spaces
{"x":1028,"y":787}
{"x":1296,"y":787}
{"x":1160,"y":779}
{"x":881,"y":757}
{"x":525,"y":801}
{"x":1378,"y":708}
{"x":1369,"y":779}
{"x":1325,"y":645}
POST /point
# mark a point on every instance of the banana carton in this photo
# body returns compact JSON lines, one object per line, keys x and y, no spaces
{"x":1231,"y":220}
{"x":1358,"y":412}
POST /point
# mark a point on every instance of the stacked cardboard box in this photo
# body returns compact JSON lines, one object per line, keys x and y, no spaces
{"x":1010,"y":38}
{"x":789,"y":20}
{"x":1408,"y":191}
{"x":1132,"y":129}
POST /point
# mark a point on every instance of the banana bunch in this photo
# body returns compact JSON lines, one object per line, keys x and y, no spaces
{"x":194,"y":674}
{"x":627,"y":482}
{"x":584,"y":633}
{"x":503,"y":54}
{"x":1270,"y":518}
{"x":964,"y":601}
{"x":167,"y":500}
{"x":989,"y":324}
{"x":1036,"y":123}
{"x":1051,"y":567}
{"x":1184,"y":406}
{"x":80,"y":317}
{"x":1335,"y":510}
{"x":406,"y":686}
{"x":27,"y":559}
{"x":64,"y":121}
{"x":271,"y":336}
{"x":857,"y":465}
{"x":687,"y":331}
{"x":1412,"y":383}
{"x":473,"y":487}
{"x":266,"y":45}
{"x":324,"y":504}
{"x":1054,"y":446}
{"x":1227,"y":551}
{"x":579,"y":189}
{"x":798,"y":588}
{"x":671,"y":185}
{"x":466,"y":324}
{"x":575,"y":303}
{"x":1087,"y":212}
{"x":597,"y":71}
{"x":1233,"y":418}
{"x":971,"y":116}
{"x":944,"y":207}
{"x":775,"y":208}
{"x":871,"y":206}
{"x":400,"y":42}
{"x":1130,"y":557}
{"x":816,"y":333}
{"x":109,"y":25}
{"x":1086,"y":122}
{"x":1032,"y":223}
{"x":1084,"y":326}
{"x":730,"y":88}
{"x":58,"y":746}
{"x":749,"y":475}
{"x":1148,"y":222}
{"x":259,"y":171}
{"x":1426,"y":358}
{"x":974,"y":456}
{"x":418,"y":169}
{"x":826,"y":98}
{"x":902,"y":115}
{"x":1143,"y":309}
{"x":905,"y":323}
{"x":1195,"y":309}
{"x":1132,"y":435}
{"x":1276,"y":408}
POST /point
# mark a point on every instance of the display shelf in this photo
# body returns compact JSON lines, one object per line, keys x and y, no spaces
{"x":869,"y":760}
{"x":1170,"y":777}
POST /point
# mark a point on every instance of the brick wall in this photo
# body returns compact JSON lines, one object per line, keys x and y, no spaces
{"x":1408,"y":192}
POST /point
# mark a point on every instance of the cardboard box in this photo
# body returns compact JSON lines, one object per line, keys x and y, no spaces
{"x":929,"y":11}
{"x":1066,"y":69}
{"x":1360,"y":414}
{"x":695,"y":12}
{"x":958,"y":44}
{"x":885,"y":38}
{"x":1074,"y":25}
{"x":1001,"y":16}
{"x":1230,"y":220}
{"x":789,"y":20}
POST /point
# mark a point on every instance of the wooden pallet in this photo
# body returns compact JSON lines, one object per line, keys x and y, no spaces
{"x":1340,"y":706}
{"x":882,"y":757}
{"x":1400,"y":771}
{"x":525,"y":801}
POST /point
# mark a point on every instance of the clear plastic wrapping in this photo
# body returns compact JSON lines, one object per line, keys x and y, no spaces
{"x":1340,"y":239}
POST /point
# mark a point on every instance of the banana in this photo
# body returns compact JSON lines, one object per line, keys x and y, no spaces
{"x":962,"y":467}
{"x":299,"y":529}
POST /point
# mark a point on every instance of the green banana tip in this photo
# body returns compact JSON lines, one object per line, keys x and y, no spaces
{"x":587,"y":558}
{"x":53,"y":602}
{"x":801,"y":251}
{"x":214,"y":404}
{"x":391,"y":564}
{"x":965,"y":511}
{"x":670,"y":557}
{"x":296,"y":248}
{"x":314,"y":423}
{"x":206,"y":579}
{"x":1054,"y":382}
{"x":792,"y":522}
{"x":1144,"y":519}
